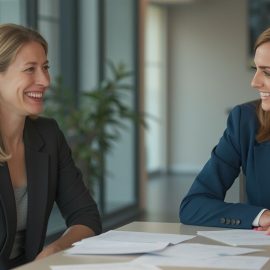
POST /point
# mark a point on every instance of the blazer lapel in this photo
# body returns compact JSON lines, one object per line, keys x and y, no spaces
{"x":262,"y":171}
{"x":7,"y":201}
{"x":37,"y":166}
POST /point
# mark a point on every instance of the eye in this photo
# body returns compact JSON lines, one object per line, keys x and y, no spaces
{"x":46,"y":67}
{"x":30,"y":69}
{"x":266,"y":73}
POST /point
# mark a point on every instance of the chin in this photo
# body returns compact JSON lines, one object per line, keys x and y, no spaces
{"x":266,"y":106}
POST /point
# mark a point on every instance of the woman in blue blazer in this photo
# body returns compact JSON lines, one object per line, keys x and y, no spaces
{"x":36,"y":166}
{"x":244,"y":145}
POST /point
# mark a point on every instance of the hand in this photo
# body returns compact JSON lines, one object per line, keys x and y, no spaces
{"x":73,"y":234}
{"x":48,"y":250}
{"x":264,"y":222}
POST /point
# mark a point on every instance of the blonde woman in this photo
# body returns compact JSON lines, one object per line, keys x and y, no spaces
{"x":36,"y":167}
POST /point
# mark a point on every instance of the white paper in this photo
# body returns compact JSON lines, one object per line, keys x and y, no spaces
{"x":143,"y":237}
{"x":99,"y":247}
{"x":238,"y":237}
{"x":203,"y":251}
{"x":224,"y":262}
{"x":107,"y":266}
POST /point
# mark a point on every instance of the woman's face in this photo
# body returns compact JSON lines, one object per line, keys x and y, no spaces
{"x":23,"y":84}
{"x":261,"y":79}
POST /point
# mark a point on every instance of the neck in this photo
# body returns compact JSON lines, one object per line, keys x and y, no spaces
{"x":12,"y":131}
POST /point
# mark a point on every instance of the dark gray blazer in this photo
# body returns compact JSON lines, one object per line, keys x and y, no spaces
{"x":51,"y":176}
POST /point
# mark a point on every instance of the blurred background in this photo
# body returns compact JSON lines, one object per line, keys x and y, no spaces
{"x":190,"y":63}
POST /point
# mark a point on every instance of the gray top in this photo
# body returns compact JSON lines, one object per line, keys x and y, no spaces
{"x":21,"y":199}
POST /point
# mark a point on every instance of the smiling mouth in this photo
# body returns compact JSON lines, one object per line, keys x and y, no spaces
{"x":35,"y":95}
{"x":264,"y":94}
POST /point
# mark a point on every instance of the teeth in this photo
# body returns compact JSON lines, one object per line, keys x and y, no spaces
{"x":264,"y":94}
{"x":35,"y":94}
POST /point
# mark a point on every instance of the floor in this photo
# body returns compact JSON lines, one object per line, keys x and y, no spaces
{"x":164,"y":194}
{"x":166,"y":191}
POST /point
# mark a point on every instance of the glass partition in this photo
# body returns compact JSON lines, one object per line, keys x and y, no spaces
{"x":120,"y":41}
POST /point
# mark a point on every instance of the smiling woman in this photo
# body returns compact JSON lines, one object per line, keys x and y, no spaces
{"x":36,"y":163}
{"x":244,"y":145}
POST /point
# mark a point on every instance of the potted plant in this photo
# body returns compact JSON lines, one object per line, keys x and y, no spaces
{"x":93,"y":126}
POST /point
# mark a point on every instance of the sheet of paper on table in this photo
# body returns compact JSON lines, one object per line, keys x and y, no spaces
{"x":107,"y":266}
{"x":144,"y":237}
{"x":205,"y":256}
{"x":123,"y":242}
{"x":238,"y":237}
{"x":204,"y":251}
{"x":223,"y":262}
{"x":103,"y":247}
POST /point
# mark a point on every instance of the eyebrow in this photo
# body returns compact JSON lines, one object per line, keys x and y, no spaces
{"x":264,"y":67}
{"x":35,"y":63}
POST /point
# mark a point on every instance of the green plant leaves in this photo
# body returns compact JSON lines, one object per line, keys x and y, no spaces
{"x":92,"y":127}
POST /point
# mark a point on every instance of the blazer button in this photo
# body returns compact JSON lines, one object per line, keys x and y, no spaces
{"x":228,"y":221}
{"x":233,"y":221}
{"x":222,"y":220}
{"x":238,"y":221}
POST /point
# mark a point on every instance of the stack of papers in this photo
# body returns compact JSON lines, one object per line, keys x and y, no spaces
{"x":223,"y":262}
{"x":206,"y":256}
{"x":104,"y":247}
{"x":159,"y":249}
{"x":144,"y":237}
{"x":123,"y":242}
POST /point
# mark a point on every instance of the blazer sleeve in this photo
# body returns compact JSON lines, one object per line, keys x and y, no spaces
{"x":73,"y":198}
{"x":204,"y":204}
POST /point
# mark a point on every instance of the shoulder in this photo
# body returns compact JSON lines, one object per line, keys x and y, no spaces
{"x":242,"y":124}
{"x":246,"y":109}
{"x":245,"y":114}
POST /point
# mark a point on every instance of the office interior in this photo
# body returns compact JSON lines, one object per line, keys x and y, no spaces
{"x":190,"y":61}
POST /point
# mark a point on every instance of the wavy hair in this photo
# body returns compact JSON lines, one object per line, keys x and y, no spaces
{"x":12,"y":38}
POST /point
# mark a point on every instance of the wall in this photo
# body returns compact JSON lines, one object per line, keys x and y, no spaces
{"x":208,"y":74}
{"x":155,"y":68}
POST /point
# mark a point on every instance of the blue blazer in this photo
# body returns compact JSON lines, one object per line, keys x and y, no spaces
{"x":204,"y":204}
{"x":51,"y":176}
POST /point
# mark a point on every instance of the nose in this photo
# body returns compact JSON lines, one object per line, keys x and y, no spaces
{"x":43,"y":78}
{"x":257,"y":81}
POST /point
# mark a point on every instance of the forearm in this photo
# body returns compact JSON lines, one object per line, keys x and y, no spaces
{"x":203,"y":211}
{"x":73,"y":234}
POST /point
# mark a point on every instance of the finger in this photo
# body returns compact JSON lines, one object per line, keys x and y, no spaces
{"x":268,"y":231}
{"x":260,"y":228}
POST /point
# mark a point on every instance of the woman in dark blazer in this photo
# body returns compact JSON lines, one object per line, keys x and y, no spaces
{"x":36,"y":164}
{"x":244,"y":145}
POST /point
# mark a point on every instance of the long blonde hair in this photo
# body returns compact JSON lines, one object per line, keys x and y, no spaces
{"x":12,"y":38}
